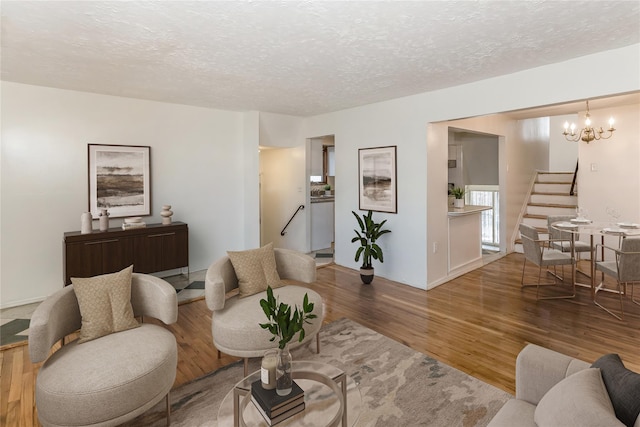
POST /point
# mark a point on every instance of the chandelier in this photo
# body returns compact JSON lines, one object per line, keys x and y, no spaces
{"x":588,"y":133}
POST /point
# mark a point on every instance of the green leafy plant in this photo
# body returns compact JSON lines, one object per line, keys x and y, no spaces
{"x":457,"y":192}
{"x":369,"y":233}
{"x":284,"y":323}
{"x":327,"y":187}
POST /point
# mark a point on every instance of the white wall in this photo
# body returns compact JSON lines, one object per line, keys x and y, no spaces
{"x":45,"y":133}
{"x":283,"y":190}
{"x":615,"y":183}
{"x":563,"y":154}
{"x":284,"y":181}
{"x":403,"y":122}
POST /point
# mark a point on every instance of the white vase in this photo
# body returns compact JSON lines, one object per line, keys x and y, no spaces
{"x":86,"y":223}
{"x":166,"y":214}
{"x":104,"y":220}
{"x":458,"y":203}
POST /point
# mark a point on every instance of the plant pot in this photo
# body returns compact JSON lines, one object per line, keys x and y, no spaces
{"x":458,"y":203}
{"x":366,"y":275}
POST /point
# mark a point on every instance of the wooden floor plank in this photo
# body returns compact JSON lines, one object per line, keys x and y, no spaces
{"x":476,"y":323}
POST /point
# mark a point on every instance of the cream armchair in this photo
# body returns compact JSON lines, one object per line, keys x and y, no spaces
{"x":235,"y":321}
{"x":111,"y":379}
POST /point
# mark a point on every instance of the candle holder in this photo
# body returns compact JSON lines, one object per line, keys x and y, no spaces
{"x":268,"y":369}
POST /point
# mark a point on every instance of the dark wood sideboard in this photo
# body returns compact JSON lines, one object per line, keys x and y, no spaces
{"x":154,"y":248}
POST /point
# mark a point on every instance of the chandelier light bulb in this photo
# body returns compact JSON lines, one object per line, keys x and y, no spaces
{"x":566,"y":126}
{"x":587,"y":121}
{"x":611,"y":123}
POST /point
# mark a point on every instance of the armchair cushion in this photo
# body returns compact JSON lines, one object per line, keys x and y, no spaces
{"x":105,"y":304}
{"x":623,"y":386}
{"x":580,"y":400}
{"x":255,"y":269}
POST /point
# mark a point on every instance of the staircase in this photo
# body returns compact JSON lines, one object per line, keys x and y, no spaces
{"x":549,"y":196}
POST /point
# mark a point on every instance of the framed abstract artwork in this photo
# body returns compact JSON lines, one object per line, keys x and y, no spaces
{"x":377,"y":179}
{"x":119,"y":180}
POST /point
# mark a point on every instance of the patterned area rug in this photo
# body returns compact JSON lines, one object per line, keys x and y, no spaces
{"x":399,"y":386}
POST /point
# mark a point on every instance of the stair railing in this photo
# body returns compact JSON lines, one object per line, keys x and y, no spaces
{"x":573,"y":183}
{"x":283,"y":232}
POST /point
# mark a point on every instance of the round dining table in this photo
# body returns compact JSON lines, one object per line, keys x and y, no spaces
{"x":579,"y":226}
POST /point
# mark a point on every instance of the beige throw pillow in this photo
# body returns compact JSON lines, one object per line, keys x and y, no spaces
{"x":255,"y":269}
{"x":105,"y":304}
{"x":580,"y":400}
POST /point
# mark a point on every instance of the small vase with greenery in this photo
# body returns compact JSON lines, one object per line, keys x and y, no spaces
{"x":458,"y":194}
{"x":370,"y":232}
{"x":327,"y":190}
{"x":284,"y":323}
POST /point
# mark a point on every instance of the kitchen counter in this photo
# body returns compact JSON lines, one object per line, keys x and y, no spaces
{"x":322,"y":199}
{"x":465,"y":238}
{"x":467,"y":210}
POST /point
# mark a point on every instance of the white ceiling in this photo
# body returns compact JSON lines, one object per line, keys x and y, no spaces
{"x":296,"y":57}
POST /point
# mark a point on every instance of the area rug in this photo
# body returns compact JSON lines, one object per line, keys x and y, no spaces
{"x":399,"y":386}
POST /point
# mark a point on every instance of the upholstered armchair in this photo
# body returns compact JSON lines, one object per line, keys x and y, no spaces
{"x":235,"y":321}
{"x":108,"y":380}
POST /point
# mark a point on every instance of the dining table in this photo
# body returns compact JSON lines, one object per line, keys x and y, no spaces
{"x":580,"y":227}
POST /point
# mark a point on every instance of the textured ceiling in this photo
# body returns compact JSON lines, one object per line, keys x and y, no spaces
{"x":298,"y":58}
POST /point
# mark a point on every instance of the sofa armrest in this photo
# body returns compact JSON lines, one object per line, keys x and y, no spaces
{"x":220,"y":279}
{"x":55,"y":318}
{"x":538,"y":369}
{"x":295,"y":265}
{"x":152,"y":296}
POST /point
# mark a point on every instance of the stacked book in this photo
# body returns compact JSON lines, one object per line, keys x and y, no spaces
{"x":135,"y":222}
{"x":275,"y":408}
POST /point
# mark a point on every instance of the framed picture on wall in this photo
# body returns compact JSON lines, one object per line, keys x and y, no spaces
{"x":377,"y":179}
{"x":119,"y":180}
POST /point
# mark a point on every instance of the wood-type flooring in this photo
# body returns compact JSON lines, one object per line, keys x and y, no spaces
{"x":476,"y":323}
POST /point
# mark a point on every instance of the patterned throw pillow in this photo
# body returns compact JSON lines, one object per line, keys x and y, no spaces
{"x":255,"y":269}
{"x":105,"y":304}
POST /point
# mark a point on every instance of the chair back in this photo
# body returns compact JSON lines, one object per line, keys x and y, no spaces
{"x":530,"y":244}
{"x":629,"y":260}
{"x":556,"y":234}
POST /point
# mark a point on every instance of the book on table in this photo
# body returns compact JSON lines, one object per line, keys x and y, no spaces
{"x":298,"y":406}
{"x":273,"y":404}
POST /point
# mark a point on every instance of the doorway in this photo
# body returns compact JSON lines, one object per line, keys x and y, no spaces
{"x":322,"y":192}
{"x":474,"y":165}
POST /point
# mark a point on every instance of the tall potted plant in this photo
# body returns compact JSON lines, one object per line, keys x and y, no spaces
{"x":370,"y":232}
{"x":284,"y":323}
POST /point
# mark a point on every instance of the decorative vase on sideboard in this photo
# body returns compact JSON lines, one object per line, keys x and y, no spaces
{"x":166,"y":214}
{"x":104,"y":220}
{"x":86,"y":223}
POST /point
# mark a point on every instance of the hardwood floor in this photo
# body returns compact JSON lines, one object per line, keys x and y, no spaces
{"x":476,"y":323}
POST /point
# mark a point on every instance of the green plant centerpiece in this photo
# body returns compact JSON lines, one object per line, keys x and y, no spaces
{"x":284,"y":323}
{"x":327,"y":189}
{"x":370,"y":232}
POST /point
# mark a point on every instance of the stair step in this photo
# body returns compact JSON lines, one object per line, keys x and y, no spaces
{"x":553,"y":199}
{"x":553,"y":205}
{"x":552,"y":188}
{"x":555,"y":177}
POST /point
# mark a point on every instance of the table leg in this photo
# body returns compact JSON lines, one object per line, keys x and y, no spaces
{"x":237,"y":395}
{"x":593,"y":269}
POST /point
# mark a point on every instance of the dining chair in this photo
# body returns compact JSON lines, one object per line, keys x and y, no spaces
{"x":539,"y":252}
{"x":561,"y":240}
{"x":625,"y":269}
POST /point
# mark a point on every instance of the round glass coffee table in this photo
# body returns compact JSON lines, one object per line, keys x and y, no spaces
{"x":331,"y":398}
